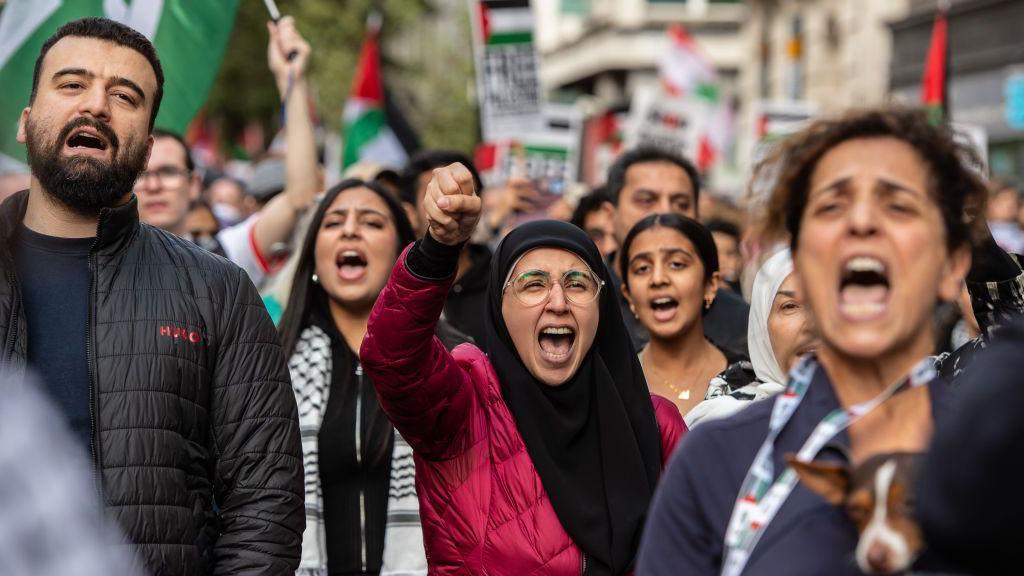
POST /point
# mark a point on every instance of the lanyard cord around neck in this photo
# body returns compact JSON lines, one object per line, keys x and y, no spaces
{"x":760,"y":498}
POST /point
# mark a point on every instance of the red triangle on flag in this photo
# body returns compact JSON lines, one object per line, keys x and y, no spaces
{"x":367,"y":84}
{"x":933,"y":83}
{"x":485,"y":22}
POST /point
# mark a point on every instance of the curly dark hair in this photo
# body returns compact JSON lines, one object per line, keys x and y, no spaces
{"x":955,"y":186}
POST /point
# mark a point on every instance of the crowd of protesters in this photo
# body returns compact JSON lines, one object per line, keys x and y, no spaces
{"x":399,"y":375}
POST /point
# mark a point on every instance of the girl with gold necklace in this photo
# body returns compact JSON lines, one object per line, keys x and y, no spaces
{"x":669,"y":268}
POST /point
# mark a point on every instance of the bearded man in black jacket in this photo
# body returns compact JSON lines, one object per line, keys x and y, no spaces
{"x":159,"y":354}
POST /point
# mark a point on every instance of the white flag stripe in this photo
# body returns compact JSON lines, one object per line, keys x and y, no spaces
{"x":354,"y":108}
{"x":511,"y":20}
{"x":684,"y":69}
{"x":142,"y":16}
{"x":19,"y":22}
{"x":385,"y":149}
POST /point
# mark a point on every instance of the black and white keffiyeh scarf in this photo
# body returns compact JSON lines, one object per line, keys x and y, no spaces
{"x":310,"y":367}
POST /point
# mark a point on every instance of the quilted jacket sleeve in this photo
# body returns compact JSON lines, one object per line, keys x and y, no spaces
{"x":258,"y":471}
{"x":425,"y":393}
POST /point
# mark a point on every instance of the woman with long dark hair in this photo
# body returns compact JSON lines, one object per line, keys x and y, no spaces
{"x":358,"y":471}
{"x":539,"y":453}
{"x":669,"y":271}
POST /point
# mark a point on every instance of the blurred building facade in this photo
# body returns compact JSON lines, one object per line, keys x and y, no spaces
{"x":824,"y":55}
{"x":986,"y":47}
{"x":606,"y":48}
{"x":598,"y":53}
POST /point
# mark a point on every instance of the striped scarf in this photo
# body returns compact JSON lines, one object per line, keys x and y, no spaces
{"x":310,"y":368}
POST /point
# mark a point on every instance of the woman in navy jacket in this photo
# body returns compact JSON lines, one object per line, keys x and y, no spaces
{"x":873,"y":204}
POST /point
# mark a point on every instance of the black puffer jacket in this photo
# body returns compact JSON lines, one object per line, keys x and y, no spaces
{"x":191,"y":402}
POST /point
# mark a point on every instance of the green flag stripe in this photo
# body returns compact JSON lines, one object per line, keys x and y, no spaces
{"x":190,"y":41}
{"x":510,"y":38}
{"x":359,"y":133}
{"x":547,"y":151}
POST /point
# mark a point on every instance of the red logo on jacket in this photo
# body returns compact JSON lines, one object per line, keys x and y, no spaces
{"x":176,"y":332}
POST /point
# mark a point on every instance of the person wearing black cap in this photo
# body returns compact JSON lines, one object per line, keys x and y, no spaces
{"x":669,"y":269}
{"x":543,"y":447}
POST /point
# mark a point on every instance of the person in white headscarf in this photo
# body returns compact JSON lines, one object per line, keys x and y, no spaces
{"x":779,"y":332}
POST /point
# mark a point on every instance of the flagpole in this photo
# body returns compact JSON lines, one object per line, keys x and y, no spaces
{"x":275,"y":15}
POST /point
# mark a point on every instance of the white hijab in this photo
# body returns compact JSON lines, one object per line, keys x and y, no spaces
{"x":769,"y":278}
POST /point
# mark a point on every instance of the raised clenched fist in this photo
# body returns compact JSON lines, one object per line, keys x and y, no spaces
{"x":451,"y":204}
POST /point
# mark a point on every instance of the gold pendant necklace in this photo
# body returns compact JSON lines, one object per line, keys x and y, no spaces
{"x":681,"y":393}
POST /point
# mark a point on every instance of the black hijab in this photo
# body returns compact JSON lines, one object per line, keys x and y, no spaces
{"x":594,"y":440}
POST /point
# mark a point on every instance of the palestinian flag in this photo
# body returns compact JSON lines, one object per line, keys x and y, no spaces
{"x":190,"y":38}
{"x":934,"y":83}
{"x":374,"y":129}
{"x":683,"y":68}
{"x":504,"y":22}
{"x":685,"y":72}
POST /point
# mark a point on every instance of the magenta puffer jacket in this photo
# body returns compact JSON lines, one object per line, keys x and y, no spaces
{"x":482,"y":504}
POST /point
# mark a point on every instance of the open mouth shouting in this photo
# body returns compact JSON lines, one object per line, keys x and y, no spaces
{"x":863,"y":288}
{"x":87,"y":141}
{"x":351,"y":265}
{"x":556,"y":343}
{"x":664,"y":308}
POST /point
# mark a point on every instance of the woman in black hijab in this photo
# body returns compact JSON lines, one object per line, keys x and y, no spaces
{"x":558,"y":395}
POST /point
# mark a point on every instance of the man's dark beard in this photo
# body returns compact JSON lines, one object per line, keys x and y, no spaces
{"x":85,"y":184}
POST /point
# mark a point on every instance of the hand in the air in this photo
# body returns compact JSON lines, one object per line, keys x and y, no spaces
{"x":451,"y":204}
{"x":284,"y":40}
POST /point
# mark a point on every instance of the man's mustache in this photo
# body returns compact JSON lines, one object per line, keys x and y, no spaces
{"x":86,"y":122}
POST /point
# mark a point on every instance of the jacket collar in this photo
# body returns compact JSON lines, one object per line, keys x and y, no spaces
{"x":116,"y":225}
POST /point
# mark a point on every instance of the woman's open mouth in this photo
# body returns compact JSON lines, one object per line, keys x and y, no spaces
{"x":863,"y":289}
{"x":556,"y":343}
{"x":351,"y":265}
{"x":664,"y":308}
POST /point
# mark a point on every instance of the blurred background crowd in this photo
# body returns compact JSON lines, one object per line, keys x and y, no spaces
{"x":715,"y":80}
{"x":542,"y":97}
{"x":600,"y":113}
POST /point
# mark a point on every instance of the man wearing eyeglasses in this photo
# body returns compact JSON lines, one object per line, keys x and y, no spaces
{"x":283,"y":187}
{"x":168,"y":185}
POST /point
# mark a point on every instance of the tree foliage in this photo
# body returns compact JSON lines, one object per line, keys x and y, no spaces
{"x":427,"y":65}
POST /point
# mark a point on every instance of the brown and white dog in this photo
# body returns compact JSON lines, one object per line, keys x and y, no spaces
{"x":876,"y":496}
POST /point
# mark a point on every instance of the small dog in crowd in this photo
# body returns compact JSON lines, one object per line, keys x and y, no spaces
{"x":876,"y":496}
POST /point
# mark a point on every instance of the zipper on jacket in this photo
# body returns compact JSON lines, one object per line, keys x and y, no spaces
{"x":12,"y":325}
{"x":90,"y":356}
{"x":359,"y":461}
{"x":583,"y":563}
